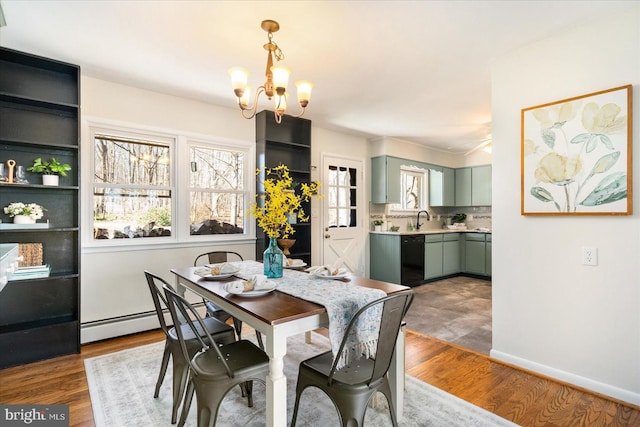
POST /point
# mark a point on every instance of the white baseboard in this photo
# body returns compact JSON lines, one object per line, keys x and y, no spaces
{"x":587,"y":383}
{"x":101,"y":330}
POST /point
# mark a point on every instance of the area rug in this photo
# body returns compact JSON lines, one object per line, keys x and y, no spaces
{"x":121,"y":386}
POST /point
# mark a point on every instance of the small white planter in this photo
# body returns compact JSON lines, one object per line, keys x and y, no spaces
{"x":23,"y":219}
{"x":50,"y":180}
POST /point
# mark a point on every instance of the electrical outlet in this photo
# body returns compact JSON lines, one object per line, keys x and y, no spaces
{"x":589,"y":255}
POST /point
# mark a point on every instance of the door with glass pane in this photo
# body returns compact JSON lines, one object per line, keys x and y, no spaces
{"x":343,"y":240}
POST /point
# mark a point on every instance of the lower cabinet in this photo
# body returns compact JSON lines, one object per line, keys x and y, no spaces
{"x":475,"y":254}
{"x":451,"y":254}
{"x":445,"y":254}
{"x":433,"y":256}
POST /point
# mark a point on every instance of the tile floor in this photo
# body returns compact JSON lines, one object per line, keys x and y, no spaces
{"x":456,"y":310}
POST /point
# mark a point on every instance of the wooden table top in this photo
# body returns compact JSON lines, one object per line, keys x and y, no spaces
{"x":275,"y":307}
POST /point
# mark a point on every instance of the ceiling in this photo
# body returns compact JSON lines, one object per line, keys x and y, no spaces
{"x":414,"y":70}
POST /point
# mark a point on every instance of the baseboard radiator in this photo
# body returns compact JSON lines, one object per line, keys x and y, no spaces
{"x":124,"y":325}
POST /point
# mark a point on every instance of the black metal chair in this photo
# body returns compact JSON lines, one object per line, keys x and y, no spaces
{"x":218,"y":257}
{"x":223,"y":333}
{"x":216,"y":368}
{"x":352,"y":387}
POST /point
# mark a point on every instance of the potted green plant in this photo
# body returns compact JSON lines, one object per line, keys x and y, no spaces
{"x":51,"y":171}
{"x":377,"y":224}
{"x":459,"y":218}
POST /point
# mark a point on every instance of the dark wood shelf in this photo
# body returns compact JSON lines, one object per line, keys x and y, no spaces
{"x":39,"y":113}
{"x":287,"y":143}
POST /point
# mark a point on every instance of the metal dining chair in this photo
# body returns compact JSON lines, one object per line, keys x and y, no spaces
{"x":218,"y":257}
{"x":211,"y":326}
{"x":351,"y":387}
{"x":217,"y":367}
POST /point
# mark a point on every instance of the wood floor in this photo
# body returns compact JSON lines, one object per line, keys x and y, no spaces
{"x":525,"y":399}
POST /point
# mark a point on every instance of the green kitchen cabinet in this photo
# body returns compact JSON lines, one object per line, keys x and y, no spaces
{"x":481,"y":186}
{"x":385,"y":179}
{"x":463,"y":186}
{"x":488,"y":255}
{"x":473,"y":186}
{"x":433,"y":256}
{"x":384,"y":253}
{"x":451,"y":254}
{"x":442,"y":187}
{"x":475,"y":254}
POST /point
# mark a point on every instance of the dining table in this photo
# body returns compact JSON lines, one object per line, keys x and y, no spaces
{"x":278,"y":315}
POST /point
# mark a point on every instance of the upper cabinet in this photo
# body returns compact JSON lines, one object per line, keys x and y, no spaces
{"x":473,"y":186}
{"x":442,"y":187}
{"x":470,"y":186}
{"x":385,"y":179}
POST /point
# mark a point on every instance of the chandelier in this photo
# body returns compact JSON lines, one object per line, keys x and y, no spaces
{"x":275,"y":87}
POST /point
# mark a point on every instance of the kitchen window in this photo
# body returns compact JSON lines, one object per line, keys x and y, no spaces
{"x":414,"y":186}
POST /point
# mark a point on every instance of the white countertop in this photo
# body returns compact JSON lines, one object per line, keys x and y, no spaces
{"x":433,"y":231}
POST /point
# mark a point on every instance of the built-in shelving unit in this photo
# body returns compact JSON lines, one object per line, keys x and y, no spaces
{"x":39,"y":117}
{"x":286,"y":143}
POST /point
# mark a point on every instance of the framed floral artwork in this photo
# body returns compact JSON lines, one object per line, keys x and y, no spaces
{"x":576,"y":155}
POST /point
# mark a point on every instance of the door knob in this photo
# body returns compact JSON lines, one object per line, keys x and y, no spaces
{"x":327,"y":236}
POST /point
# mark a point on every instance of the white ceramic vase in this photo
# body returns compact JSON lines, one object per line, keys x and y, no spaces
{"x":50,"y":180}
{"x":23,"y":219}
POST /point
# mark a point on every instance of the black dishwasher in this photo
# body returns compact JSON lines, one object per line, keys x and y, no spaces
{"x":412,"y":259}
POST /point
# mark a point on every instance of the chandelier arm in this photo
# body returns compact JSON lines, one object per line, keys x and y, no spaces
{"x":253,"y":108}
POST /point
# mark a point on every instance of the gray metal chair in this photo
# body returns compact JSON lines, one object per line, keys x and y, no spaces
{"x":216,"y":368}
{"x":218,"y":257}
{"x":221,"y":331}
{"x":352,"y":387}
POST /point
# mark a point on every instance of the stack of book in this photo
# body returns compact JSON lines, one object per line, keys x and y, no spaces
{"x":31,"y":272}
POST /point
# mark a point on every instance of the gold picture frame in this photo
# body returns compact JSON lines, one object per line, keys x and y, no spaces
{"x":576,"y":155}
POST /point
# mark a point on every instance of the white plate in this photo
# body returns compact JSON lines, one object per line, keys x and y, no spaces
{"x":337,"y":276}
{"x":300,"y":265}
{"x":250,"y":294}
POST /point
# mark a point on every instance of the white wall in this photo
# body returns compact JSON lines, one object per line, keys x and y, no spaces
{"x":112,"y":282}
{"x":550,"y":313}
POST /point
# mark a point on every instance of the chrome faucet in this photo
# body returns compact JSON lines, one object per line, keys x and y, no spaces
{"x":418,"y":219}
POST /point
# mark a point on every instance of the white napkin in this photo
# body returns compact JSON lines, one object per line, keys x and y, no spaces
{"x":234,"y":287}
{"x":327,"y":270}
{"x":202,"y":271}
{"x":225,"y":268}
{"x":259,"y":282}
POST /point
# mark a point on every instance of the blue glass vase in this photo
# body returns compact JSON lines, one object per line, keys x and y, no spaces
{"x":272,"y":260}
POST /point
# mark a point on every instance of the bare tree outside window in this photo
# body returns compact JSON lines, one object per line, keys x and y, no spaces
{"x":217,"y":191}
{"x":132,"y":188}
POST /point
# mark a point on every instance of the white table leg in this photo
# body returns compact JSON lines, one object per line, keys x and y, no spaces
{"x":396,"y":374}
{"x":276,"y":382}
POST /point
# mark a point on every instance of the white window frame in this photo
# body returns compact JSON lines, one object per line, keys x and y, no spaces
{"x":248,"y":185}
{"x":423,"y":174}
{"x":180,"y":167}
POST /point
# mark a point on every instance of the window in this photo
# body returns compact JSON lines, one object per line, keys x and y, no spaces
{"x":341,"y":196}
{"x":413,"y":189}
{"x":217,"y":190}
{"x":132,"y":186}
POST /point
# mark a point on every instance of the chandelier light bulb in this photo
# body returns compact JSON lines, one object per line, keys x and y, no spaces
{"x":304,"y":88}
{"x":245,"y":99}
{"x":280,"y":78}
{"x":281,"y":104}
{"x":239,"y":79}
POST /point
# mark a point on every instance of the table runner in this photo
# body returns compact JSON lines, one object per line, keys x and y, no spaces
{"x":341,"y":299}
